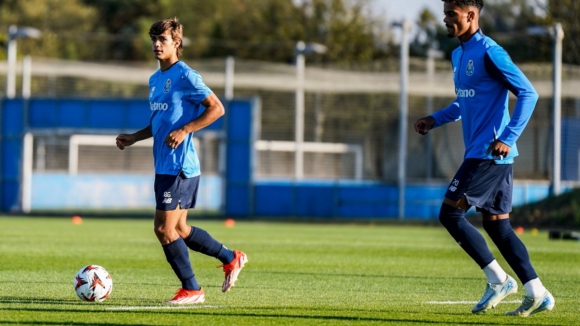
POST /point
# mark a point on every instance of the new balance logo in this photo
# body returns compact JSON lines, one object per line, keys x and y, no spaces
{"x":166,"y":197}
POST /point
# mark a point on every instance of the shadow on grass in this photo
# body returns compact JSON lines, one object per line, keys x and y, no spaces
{"x":72,"y":323}
{"x":39,"y":301}
{"x":314,"y":316}
{"x":326,"y":275}
{"x":65,"y":302}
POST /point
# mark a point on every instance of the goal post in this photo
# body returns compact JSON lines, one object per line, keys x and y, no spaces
{"x":316,"y":147}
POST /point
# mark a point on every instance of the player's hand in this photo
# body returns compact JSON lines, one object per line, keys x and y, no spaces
{"x":175,"y":138}
{"x":124,"y":140}
{"x":425,"y":124}
{"x":498,"y":148}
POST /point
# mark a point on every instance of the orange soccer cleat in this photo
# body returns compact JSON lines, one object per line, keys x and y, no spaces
{"x":233,"y":269}
{"x":183,"y":296}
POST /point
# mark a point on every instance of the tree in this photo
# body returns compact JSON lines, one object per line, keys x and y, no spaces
{"x":124,"y":24}
{"x":506,"y":21}
{"x":566,"y":12}
{"x":66,"y":26}
{"x":264,"y":30}
{"x":432,"y":35}
{"x":269,"y":29}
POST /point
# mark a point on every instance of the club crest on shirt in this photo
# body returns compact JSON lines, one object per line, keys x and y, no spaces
{"x":470,"y":69}
{"x":167,"y":86}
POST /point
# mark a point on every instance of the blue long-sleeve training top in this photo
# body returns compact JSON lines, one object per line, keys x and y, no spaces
{"x":483,"y":74}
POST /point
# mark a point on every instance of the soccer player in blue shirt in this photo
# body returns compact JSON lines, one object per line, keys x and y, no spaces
{"x":484,"y":75}
{"x":176,"y":94}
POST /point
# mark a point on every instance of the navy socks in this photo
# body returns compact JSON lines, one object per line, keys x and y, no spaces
{"x":199,"y":240}
{"x":178,"y":257}
{"x":466,"y":235}
{"x":511,"y":247}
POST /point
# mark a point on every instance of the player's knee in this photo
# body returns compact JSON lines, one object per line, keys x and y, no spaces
{"x":159,"y":230}
{"x":183,"y":230}
{"x":498,"y":229}
{"x":449,"y":215}
{"x":165,"y":234}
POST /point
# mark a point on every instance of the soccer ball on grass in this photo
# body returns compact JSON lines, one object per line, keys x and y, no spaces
{"x":93,"y":283}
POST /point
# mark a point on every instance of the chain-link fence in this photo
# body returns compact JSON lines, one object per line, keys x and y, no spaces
{"x":353,"y":106}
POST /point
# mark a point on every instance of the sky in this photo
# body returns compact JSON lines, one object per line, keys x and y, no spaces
{"x":410,"y":9}
{"x":401,"y":9}
{"x":398,"y":10}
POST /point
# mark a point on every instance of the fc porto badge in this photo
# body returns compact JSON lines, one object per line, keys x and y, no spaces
{"x":167,"y":86}
{"x":470,"y":68}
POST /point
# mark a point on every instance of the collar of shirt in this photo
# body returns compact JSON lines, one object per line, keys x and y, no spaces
{"x":473,"y":41}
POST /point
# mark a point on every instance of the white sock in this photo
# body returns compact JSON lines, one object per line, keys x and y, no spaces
{"x":494,"y":273}
{"x":535,"y":288}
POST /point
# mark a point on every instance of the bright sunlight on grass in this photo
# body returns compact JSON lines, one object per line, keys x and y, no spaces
{"x":298,"y":274}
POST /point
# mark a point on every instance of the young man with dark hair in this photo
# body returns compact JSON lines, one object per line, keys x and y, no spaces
{"x":177,"y":93}
{"x":484,"y":74}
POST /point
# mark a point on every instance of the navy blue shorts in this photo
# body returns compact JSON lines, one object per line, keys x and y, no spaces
{"x":173,"y":190}
{"x":486,"y":185}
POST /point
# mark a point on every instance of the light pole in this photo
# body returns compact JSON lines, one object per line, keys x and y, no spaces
{"x":26,"y":76}
{"x":432,"y":54}
{"x":557,"y":34}
{"x":229,"y":76}
{"x":301,"y":49}
{"x":405,"y":26}
{"x":15,"y":32}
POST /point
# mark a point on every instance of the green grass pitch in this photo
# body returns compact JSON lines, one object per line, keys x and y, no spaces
{"x":298,"y":274}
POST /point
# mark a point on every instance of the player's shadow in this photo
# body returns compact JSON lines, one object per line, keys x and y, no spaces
{"x":75,"y":323}
{"x":275,"y":316}
{"x":29,"y":300}
{"x":65,"y":302}
{"x":327,"y":274}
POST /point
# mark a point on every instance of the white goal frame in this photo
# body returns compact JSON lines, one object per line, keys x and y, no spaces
{"x":316,"y":147}
{"x":94,"y":140}
{"x":109,"y":140}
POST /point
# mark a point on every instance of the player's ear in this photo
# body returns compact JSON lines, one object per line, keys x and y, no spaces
{"x":470,"y":15}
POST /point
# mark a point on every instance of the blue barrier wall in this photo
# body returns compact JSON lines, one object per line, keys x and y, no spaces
{"x":241,"y":134}
{"x":64,"y":116}
{"x":244,"y":196}
{"x":53,"y":191}
{"x":12,"y":125}
{"x":364,"y":200}
{"x":571,"y":149}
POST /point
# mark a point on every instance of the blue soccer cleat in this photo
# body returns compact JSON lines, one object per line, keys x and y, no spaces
{"x":531,"y":305}
{"x":494,"y":293}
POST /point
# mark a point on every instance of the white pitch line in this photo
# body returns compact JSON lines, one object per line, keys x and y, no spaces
{"x":466,"y":302}
{"x":129,"y":308}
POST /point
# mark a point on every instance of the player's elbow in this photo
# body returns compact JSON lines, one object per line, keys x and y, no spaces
{"x":534,"y":96}
{"x":529,"y":96}
{"x":220,"y":110}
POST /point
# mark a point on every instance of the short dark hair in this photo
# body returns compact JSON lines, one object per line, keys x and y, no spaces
{"x":173,"y":26}
{"x":466,"y":3}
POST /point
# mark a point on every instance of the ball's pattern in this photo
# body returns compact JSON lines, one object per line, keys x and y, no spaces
{"x":93,"y":283}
